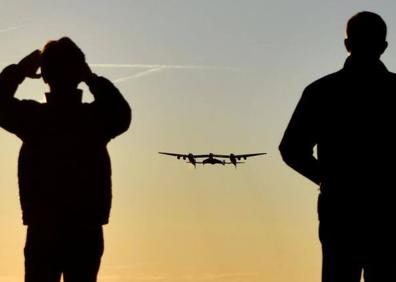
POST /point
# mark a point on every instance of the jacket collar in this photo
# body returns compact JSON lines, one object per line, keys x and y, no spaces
{"x":364,"y":67}
{"x":71,"y":98}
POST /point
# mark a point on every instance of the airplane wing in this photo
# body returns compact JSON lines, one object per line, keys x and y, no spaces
{"x":239,"y":156}
{"x":249,"y":155}
{"x":183,"y":155}
{"x":173,"y":154}
{"x":221,"y":156}
{"x":201,"y":156}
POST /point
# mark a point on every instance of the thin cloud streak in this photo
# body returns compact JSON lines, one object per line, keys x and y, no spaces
{"x":133,"y":278}
{"x":137,"y":75}
{"x":11,"y":28}
{"x":150,"y":66}
{"x":156,"y":68}
{"x":230,"y":276}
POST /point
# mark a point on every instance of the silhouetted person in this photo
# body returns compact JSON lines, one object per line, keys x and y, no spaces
{"x":64,"y":168}
{"x":350,"y":116}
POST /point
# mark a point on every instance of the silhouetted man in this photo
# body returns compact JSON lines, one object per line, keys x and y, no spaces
{"x":64,"y":167}
{"x":350,"y":116}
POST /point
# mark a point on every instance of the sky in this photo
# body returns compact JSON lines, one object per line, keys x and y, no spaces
{"x":201,"y":76}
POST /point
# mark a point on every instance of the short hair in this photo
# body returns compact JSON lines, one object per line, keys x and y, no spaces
{"x":366,"y":26}
{"x":62,"y":62}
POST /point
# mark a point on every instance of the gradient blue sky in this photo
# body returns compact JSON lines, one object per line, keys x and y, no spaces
{"x":202,"y":76}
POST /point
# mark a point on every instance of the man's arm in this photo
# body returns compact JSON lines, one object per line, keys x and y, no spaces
{"x":13,"y":75}
{"x":301,"y":137}
{"x":10,"y":78}
{"x":113,"y":111}
{"x":11,"y":109}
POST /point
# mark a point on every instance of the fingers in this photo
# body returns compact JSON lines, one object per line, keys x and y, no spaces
{"x":32,"y":58}
{"x":86,"y":74}
{"x":35,"y":54}
{"x":30,"y":64}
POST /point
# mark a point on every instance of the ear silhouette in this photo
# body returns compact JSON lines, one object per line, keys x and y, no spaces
{"x":347,"y":44}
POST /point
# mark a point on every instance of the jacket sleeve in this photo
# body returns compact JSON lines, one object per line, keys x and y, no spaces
{"x":13,"y":112}
{"x":301,"y":136}
{"x":112,"y":110}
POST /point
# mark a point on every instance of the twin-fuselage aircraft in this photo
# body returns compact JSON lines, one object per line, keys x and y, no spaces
{"x":212,"y":158}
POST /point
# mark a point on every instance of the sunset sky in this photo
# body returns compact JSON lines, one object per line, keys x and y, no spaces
{"x":201,"y":76}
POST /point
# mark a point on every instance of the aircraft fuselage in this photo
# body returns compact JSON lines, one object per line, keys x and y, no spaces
{"x":212,"y":160}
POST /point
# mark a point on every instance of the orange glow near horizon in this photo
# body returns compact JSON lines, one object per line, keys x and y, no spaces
{"x":200,"y":76}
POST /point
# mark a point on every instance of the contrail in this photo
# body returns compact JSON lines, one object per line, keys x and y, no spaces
{"x":10,"y":28}
{"x":156,"y":68}
{"x":123,"y":66}
{"x":150,"y":66}
{"x":137,"y":75}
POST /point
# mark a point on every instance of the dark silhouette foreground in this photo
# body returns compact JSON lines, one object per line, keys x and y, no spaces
{"x":64,"y":168}
{"x":350,"y":116}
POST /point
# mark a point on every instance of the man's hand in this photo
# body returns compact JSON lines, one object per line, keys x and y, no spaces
{"x":87,"y":75}
{"x":30,"y":64}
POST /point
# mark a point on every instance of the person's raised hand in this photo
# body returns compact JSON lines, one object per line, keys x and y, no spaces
{"x":86,"y":74}
{"x":30,"y":64}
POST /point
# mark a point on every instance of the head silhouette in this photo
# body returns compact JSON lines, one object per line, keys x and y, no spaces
{"x":366,"y":36}
{"x":62,"y":63}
